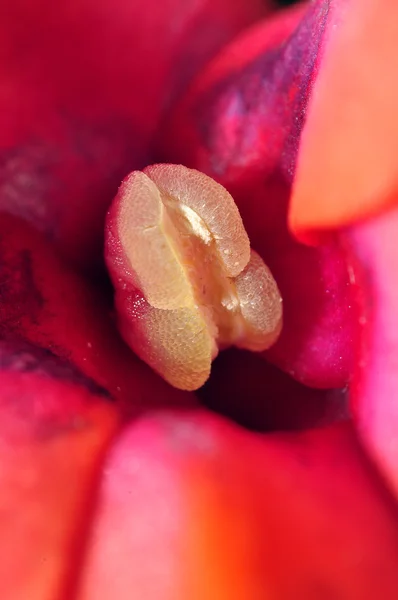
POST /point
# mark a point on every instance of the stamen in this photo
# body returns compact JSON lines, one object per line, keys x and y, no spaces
{"x":189,"y":256}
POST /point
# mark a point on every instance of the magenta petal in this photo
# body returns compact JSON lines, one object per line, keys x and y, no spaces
{"x":374,"y":256}
{"x":240,"y":123}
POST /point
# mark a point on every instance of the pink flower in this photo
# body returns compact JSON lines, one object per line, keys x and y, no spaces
{"x":113,"y":483}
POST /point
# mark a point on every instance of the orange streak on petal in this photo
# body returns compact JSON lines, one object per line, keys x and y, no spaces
{"x":282,"y":517}
{"x":223,"y":557}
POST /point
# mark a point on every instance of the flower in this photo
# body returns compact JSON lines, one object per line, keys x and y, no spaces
{"x":113,"y":483}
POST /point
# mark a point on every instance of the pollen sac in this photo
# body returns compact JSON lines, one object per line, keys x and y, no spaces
{"x":187,"y":283}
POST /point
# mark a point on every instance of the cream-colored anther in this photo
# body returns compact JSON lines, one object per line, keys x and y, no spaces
{"x":190,"y":258}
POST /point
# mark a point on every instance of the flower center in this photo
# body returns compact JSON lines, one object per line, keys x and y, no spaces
{"x":190,"y":258}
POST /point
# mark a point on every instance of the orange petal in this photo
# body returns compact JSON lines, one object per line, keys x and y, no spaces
{"x":347,"y":166}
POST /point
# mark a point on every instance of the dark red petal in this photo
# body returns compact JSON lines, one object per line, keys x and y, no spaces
{"x":82,"y":88}
{"x":43,"y":301}
{"x":262,"y":398}
{"x":55,"y":425}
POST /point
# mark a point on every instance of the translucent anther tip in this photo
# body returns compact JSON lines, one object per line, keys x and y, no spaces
{"x":260,"y":305}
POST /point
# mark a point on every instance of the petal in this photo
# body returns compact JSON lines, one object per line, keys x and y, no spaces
{"x":347,"y":161}
{"x":45,"y":302}
{"x":374,"y":263}
{"x":240,"y":123}
{"x":191,"y":507}
{"x":83,"y":85}
{"x":346,"y":174}
{"x":55,"y":425}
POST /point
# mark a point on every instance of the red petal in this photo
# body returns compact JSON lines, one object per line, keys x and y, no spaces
{"x":192,"y":507}
{"x":43,"y":301}
{"x":54,"y":428}
{"x":83,"y":85}
{"x":260,"y":397}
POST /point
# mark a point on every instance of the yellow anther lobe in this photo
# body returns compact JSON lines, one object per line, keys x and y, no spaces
{"x":146,"y":233}
{"x":213,"y":204}
{"x":260,"y":305}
